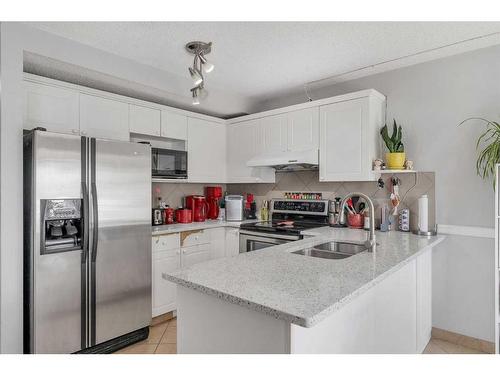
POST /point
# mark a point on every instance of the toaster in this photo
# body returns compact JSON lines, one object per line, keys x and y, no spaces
{"x":234,"y":207}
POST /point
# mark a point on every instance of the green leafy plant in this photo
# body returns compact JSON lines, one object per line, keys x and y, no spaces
{"x":488,"y":156}
{"x":393,"y":142}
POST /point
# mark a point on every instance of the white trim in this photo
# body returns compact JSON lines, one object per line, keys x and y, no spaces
{"x":463,"y":230}
{"x":109,"y":95}
{"x":315,"y":103}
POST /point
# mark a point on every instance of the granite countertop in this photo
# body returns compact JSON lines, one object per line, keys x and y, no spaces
{"x":299,"y":289}
{"x":174,"y":228}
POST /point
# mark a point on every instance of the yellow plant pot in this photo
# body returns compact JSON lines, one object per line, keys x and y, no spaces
{"x":395,"y":160}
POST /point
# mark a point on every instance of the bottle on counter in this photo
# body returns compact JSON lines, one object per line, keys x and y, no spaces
{"x":264,"y":211}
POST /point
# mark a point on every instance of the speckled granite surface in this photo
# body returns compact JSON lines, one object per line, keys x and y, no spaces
{"x":174,"y":228}
{"x":299,"y":289}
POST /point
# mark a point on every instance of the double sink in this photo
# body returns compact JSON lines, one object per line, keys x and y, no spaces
{"x":333,"y":250}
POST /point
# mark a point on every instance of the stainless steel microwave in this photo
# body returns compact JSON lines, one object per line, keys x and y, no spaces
{"x":167,"y":163}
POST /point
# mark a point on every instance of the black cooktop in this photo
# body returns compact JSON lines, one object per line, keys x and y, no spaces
{"x":282,"y":226}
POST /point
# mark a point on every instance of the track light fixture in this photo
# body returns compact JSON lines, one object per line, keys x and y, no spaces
{"x":200,"y":65}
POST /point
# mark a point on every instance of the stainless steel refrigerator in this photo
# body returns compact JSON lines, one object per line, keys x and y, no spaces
{"x":87,"y":243}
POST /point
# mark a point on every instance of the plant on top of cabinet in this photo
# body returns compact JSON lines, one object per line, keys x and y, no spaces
{"x":489,"y":156}
{"x":395,"y":158}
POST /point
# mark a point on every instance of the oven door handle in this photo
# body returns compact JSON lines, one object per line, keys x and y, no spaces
{"x":270,"y":236}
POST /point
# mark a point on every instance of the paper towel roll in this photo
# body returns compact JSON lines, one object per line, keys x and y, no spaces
{"x":423,"y":213}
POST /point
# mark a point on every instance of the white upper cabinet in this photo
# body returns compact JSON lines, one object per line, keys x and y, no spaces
{"x":206,"y":151}
{"x":53,"y":108}
{"x":174,"y":125}
{"x":272,"y":136}
{"x":348,"y":139}
{"x":243,"y":141}
{"x":303,"y":129}
{"x":144,"y":120}
{"x":103,"y":118}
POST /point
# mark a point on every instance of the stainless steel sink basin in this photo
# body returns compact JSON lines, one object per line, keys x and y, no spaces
{"x":342,"y":247}
{"x":333,"y":250}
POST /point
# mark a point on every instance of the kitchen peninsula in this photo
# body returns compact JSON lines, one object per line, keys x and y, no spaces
{"x":277,"y":301}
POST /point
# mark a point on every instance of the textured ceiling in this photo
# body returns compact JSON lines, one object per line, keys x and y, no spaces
{"x":259,"y":59}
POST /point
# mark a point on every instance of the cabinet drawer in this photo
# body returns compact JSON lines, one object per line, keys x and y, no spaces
{"x":194,"y":237}
{"x":166,"y":242}
{"x":195,"y":254}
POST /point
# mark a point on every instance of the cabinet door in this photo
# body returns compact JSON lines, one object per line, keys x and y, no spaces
{"x":144,"y":120}
{"x":274,"y":134}
{"x":342,"y":141}
{"x":206,"y":151}
{"x":174,"y":125}
{"x":164,"y":292}
{"x":195,"y":254}
{"x":232,"y":242}
{"x":242,"y":139}
{"x":53,"y":108}
{"x":303,"y":129}
{"x":217,"y":242}
{"x":103,"y":118}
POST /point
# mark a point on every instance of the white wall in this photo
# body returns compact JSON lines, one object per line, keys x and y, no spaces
{"x":429,"y":100}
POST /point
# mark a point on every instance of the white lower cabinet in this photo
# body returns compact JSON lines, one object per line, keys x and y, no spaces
{"x":164,"y":292}
{"x":175,"y":251}
{"x":232,"y":247}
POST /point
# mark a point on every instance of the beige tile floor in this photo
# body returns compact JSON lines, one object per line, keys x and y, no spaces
{"x":162,"y":340}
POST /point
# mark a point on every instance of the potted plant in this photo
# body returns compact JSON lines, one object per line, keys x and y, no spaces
{"x":395,"y":158}
{"x":489,"y":156}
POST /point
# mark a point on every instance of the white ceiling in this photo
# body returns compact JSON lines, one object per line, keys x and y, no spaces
{"x":263,"y":59}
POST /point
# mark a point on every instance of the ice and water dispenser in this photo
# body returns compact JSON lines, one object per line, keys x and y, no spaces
{"x":61,"y":225}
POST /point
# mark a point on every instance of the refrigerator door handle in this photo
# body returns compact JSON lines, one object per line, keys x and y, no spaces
{"x":85,"y":222}
{"x":95,"y":228}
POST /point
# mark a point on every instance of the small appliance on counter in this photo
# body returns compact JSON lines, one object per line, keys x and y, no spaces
{"x":213,"y":194}
{"x":157,"y":216}
{"x":199,"y":206}
{"x":234,"y":207}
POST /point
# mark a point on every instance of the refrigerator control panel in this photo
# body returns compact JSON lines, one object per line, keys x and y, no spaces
{"x":58,"y":209}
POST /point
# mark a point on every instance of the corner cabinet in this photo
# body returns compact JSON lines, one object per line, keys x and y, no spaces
{"x":348,"y":138}
{"x":206,"y":151}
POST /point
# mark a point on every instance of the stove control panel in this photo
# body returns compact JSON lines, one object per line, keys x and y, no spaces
{"x":312,"y":207}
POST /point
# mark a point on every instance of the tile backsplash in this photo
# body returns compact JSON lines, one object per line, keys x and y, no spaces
{"x":308,"y":181}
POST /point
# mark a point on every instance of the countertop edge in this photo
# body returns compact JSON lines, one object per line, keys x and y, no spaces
{"x":306,"y":322}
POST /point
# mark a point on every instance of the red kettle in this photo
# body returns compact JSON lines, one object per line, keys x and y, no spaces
{"x":199,"y":206}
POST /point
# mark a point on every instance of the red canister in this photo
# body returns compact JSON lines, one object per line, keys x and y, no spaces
{"x":184,"y":215}
{"x":168,"y":215}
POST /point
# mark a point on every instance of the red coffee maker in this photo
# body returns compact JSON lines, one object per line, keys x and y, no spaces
{"x":213,"y":194}
{"x":199,"y":206}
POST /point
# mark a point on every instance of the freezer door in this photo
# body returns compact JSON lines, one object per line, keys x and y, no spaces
{"x":121,"y":244}
{"x":55,"y":278}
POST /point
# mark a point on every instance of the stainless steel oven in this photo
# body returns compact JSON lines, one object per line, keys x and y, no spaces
{"x":250,"y":241}
{"x":167,"y":163}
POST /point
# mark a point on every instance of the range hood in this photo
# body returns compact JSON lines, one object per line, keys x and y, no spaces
{"x":287,"y":161}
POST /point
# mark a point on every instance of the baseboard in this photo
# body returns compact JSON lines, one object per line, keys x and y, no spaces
{"x":467,"y":341}
{"x":163,"y":318}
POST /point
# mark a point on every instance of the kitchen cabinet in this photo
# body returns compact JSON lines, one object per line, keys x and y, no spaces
{"x":232,"y":247}
{"x":174,"y":251}
{"x":206,"y":151}
{"x":242,"y":141}
{"x":53,"y":108}
{"x":217,"y":242}
{"x":104,"y":118}
{"x":303,"y":129}
{"x":272,"y":134}
{"x":348,"y":139}
{"x":174,"y":125}
{"x":144,"y":120}
{"x":164,"y":292}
